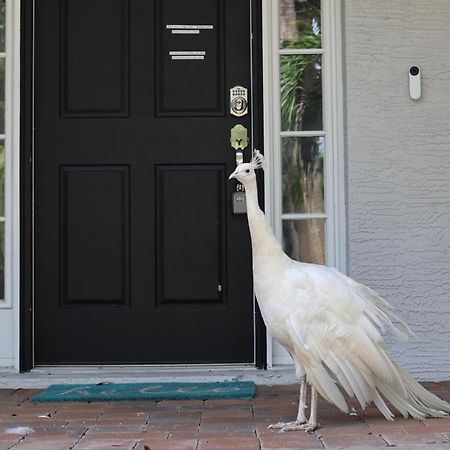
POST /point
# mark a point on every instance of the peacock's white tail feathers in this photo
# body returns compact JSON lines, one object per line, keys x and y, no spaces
{"x":409,"y":398}
{"x":384,"y":310}
{"x":258,"y":161}
{"x":381,"y":405}
{"x":326,"y":386}
{"x":377,"y":309}
{"x":424,"y":401}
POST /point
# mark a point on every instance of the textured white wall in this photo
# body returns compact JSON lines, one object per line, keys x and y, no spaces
{"x":398,"y":156}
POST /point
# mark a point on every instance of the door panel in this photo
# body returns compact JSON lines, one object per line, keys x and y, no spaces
{"x":197,"y":88}
{"x":95,"y":239}
{"x":138,"y":257}
{"x":94,"y":60}
{"x":195,"y":274}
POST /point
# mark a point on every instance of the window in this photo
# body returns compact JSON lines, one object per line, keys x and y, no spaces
{"x":302,"y":130}
{"x":305,"y":119}
{"x":303,"y":126}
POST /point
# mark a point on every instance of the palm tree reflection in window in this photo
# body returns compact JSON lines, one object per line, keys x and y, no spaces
{"x":301,"y":110}
{"x":303,"y":192}
{"x":300,"y":24}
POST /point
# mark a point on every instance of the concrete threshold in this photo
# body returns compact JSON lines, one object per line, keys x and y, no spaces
{"x":42,"y":377}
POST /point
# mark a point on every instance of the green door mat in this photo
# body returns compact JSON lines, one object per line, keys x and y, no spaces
{"x":146,"y":391}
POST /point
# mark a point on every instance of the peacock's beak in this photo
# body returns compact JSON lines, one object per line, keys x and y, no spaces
{"x":233,"y":175}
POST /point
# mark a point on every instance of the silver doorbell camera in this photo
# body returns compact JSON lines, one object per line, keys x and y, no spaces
{"x":415,"y":88}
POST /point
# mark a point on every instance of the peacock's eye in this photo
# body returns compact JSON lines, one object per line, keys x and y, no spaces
{"x":247,"y":171}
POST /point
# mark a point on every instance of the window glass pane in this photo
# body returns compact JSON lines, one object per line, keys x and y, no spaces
{"x":2,"y":260}
{"x":302,"y":174}
{"x":2,"y":95}
{"x":300,"y":24}
{"x":304,"y":240}
{"x":301,"y":92}
{"x":2,"y":25}
{"x":2,"y":178}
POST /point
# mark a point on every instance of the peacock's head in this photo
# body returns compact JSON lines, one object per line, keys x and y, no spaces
{"x":245,"y":172}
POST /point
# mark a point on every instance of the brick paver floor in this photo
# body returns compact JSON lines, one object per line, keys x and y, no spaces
{"x":208,"y":425}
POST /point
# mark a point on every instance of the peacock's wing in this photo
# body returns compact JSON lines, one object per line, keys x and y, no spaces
{"x":333,"y":352}
{"x":375,"y":307}
{"x":336,"y":338}
{"x":334,"y":327}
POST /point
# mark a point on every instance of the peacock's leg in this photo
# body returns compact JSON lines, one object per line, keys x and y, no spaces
{"x":312,"y":424}
{"x":301,"y":418}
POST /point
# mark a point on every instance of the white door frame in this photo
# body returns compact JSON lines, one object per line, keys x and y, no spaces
{"x":9,"y":306}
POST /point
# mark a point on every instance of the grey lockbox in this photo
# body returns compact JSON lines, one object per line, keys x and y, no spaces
{"x":239,"y":203}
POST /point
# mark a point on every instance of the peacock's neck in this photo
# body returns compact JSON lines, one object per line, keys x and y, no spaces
{"x":264,"y":243}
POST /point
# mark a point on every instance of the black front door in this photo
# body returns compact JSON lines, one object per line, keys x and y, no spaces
{"x":138,"y":256}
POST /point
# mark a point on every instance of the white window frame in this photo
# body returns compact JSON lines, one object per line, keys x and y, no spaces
{"x":12,"y":155}
{"x":333,"y":112}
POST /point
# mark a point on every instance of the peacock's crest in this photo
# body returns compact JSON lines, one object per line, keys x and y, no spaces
{"x":258,"y":161}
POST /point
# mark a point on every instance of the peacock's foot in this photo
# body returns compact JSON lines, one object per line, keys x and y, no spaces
{"x":296,"y":426}
{"x":310,"y":426}
{"x":283,"y":425}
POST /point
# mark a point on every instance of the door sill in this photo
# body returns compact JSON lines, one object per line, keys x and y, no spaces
{"x":225,"y":366}
{"x":44,"y":376}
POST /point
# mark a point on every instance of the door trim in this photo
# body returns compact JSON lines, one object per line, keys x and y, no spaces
{"x":26,"y":180}
{"x":256,"y":27}
{"x":26,"y":333}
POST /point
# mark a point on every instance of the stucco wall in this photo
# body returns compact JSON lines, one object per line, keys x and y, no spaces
{"x":398,"y":167}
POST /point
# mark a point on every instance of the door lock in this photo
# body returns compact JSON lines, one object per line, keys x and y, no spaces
{"x":239,"y":141}
{"x":238,"y":101}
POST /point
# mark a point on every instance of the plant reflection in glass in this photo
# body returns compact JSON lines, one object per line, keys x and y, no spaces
{"x":300,"y":19}
{"x":303,"y":240}
{"x":301,"y":92}
{"x":301,"y":110}
{"x":303,"y":192}
{"x":2,"y":25}
{"x":302,"y":165}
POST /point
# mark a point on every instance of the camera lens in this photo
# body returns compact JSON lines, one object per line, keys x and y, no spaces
{"x":414,"y":70}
